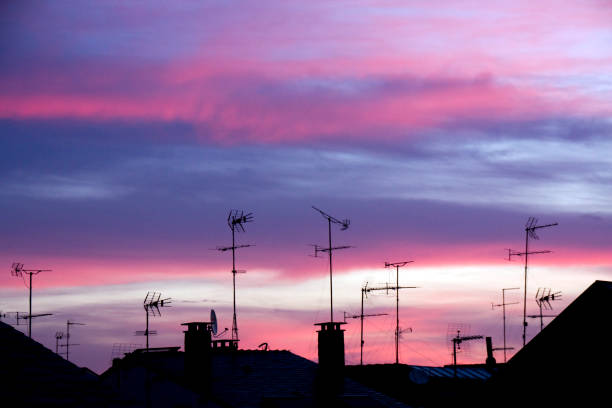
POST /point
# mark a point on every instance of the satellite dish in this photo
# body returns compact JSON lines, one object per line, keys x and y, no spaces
{"x":213,"y":321}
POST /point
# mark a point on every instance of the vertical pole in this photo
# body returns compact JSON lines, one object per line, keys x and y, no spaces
{"x":455,"y":355}
{"x":361,"y":316}
{"x":30,"y":319}
{"x":525,"y":288}
{"x":234,"y":321}
{"x":147,"y":329}
{"x":504,"y":314}
{"x":331,"y":291}
{"x":68,"y":340}
{"x":397,"y":314}
{"x":541,"y":318}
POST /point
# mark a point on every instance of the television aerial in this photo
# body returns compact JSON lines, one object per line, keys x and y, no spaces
{"x":236,"y":221}
{"x":18,"y":271}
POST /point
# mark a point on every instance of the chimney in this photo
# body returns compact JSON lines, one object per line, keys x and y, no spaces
{"x":198,"y":362}
{"x":490,"y":359}
{"x":331,"y":358}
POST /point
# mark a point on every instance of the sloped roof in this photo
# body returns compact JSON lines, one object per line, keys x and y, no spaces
{"x":579,"y":337}
{"x":571,"y":356}
{"x":464,"y":372}
{"x":248,"y":376}
{"x":36,"y":376}
{"x":254,"y":378}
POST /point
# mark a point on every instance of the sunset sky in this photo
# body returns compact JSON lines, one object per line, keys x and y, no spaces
{"x":129,"y":130}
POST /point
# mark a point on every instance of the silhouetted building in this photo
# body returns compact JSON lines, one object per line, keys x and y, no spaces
{"x":213,"y":373}
{"x":33,"y":376}
{"x":424,"y":386}
{"x":567,"y":361}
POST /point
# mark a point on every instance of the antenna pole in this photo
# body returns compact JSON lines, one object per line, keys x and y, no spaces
{"x":455,"y":355}
{"x":147,"y":328}
{"x":361,"y":318}
{"x":504,"y":319}
{"x":530,"y":231}
{"x":503,"y":306}
{"x":30,"y":320}
{"x":234,"y":320}
{"x":397,"y":265}
{"x":18,"y":270}
{"x":344,"y":225}
{"x":541,"y":317}
{"x":68,"y":340}
{"x":525,"y":288}
{"x":387,"y":288}
{"x":504,"y":313}
{"x":397,"y":315}
{"x":331,"y":290}
{"x":235,"y":219}
{"x":456,"y":343}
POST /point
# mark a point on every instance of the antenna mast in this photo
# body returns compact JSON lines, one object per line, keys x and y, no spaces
{"x":397,"y":265}
{"x":17,"y":270}
{"x":503,"y":305}
{"x":151,"y":304}
{"x":361,"y":317}
{"x":236,"y":220}
{"x":344,"y":224}
{"x":530,"y":231}
{"x":387,"y":288}
{"x":457,"y":345}
{"x":68,"y":344}
{"x":58,"y":336}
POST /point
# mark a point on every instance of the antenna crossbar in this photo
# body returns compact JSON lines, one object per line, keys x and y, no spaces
{"x":233,"y":247}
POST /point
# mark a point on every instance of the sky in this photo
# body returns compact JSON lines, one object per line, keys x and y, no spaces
{"x":129,"y":130}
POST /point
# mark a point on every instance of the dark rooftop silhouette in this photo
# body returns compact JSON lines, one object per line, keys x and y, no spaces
{"x":36,"y":376}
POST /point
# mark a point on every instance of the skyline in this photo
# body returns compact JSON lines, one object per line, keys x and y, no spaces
{"x":129,"y":131}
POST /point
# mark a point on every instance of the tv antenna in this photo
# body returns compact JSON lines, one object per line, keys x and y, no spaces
{"x":543,"y":298}
{"x":68,"y":344}
{"x":151,"y":304}
{"x":361,"y":316}
{"x":503,"y":305}
{"x":396,"y":288}
{"x":18,"y":270}
{"x":531,"y":228}
{"x":121,"y":349}
{"x":457,"y":340}
{"x":18,"y":315}
{"x":344,"y":224}
{"x":236,"y":221}
{"x":58,"y":336}
{"x":397,"y":265}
